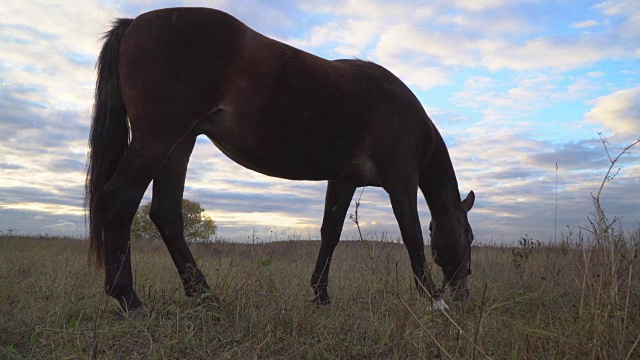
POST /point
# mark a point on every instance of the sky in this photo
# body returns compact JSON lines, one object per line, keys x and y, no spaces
{"x":520,"y":91}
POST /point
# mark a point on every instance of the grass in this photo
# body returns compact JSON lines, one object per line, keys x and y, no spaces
{"x":573,"y":300}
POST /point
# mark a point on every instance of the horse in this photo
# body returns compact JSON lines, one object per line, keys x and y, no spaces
{"x":170,"y":75}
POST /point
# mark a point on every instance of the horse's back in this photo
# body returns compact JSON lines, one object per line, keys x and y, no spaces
{"x":252,"y":95}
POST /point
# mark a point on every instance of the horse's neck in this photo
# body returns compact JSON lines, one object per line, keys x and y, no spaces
{"x":441,"y":187}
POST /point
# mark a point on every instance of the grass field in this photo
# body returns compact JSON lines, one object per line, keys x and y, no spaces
{"x":575,"y":300}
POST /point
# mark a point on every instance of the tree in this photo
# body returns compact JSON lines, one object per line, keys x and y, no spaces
{"x":198,"y":227}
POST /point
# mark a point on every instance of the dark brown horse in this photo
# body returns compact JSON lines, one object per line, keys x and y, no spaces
{"x":173,"y":74}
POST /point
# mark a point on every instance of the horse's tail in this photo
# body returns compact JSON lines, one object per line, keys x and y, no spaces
{"x":109,"y":137}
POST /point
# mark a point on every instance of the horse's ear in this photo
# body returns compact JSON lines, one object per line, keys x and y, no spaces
{"x":467,"y":203}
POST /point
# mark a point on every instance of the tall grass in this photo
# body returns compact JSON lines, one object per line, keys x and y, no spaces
{"x":567,"y":302}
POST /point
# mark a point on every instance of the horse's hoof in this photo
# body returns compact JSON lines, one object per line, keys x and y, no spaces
{"x":460,"y":293}
{"x":140,"y":311}
{"x":461,"y":296}
{"x":137,"y":313}
{"x":438,"y":305}
{"x":321,"y":303}
{"x":209,"y":298}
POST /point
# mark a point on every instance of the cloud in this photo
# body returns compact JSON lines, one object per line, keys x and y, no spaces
{"x":561,"y":52}
{"x":512,"y":93}
{"x":370,"y":9}
{"x":571,"y":156}
{"x":483,"y":5}
{"x":497,"y":40}
{"x":619,"y":112}
{"x":619,"y":8}
{"x":69,"y":165}
{"x":46,"y":88}
{"x":515,"y":177}
{"x":61,"y":33}
{"x":63,"y":225}
{"x":348,"y":37}
{"x":10,"y":166}
{"x":500,"y":100}
{"x":585,"y":24}
{"x":412,"y":42}
{"x":54,"y":209}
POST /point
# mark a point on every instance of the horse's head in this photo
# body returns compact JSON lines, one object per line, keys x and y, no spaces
{"x":451,"y":249}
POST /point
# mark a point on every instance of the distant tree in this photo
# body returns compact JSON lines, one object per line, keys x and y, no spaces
{"x":198,"y":227}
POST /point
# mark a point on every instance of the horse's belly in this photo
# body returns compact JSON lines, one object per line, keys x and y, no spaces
{"x":283,"y":153}
{"x":293,"y":164}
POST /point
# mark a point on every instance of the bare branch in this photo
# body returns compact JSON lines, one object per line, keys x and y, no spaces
{"x":601,"y":225}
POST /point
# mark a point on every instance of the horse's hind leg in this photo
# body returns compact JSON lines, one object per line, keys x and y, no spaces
{"x":338,"y":198}
{"x":166,"y":214}
{"x":122,"y":195}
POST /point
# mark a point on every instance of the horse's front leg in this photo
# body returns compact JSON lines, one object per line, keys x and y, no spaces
{"x":402,"y":189}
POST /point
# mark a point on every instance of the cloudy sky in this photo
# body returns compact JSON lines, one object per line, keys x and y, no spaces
{"x":515,"y":87}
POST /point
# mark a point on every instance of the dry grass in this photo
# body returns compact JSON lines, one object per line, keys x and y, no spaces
{"x":574,"y":300}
